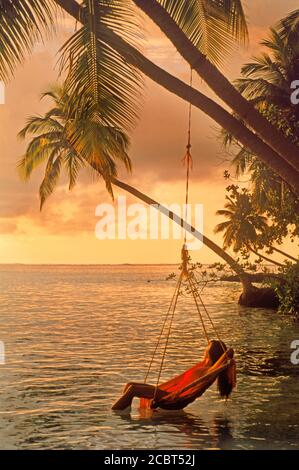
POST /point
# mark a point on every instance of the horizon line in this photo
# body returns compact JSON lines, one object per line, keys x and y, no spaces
{"x":90,"y":264}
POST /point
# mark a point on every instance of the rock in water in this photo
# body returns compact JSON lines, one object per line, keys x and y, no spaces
{"x":259,"y":298}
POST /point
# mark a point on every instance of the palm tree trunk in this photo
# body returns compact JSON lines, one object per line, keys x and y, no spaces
{"x":251,"y":295}
{"x":208,"y":106}
{"x":244,"y":278}
{"x":219,"y":84}
{"x":284,"y":253}
{"x":265,"y":258}
{"x":235,"y":127}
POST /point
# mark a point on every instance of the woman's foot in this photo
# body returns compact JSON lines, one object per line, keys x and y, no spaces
{"x":123,"y":402}
{"x":123,"y":411}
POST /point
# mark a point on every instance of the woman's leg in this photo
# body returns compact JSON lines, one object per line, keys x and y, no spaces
{"x":133,"y":390}
{"x":131,"y":384}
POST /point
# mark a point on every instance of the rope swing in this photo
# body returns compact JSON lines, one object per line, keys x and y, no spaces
{"x":188,"y":276}
{"x":218,"y":361}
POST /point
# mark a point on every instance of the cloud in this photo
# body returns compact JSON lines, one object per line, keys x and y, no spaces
{"x":8,"y":227}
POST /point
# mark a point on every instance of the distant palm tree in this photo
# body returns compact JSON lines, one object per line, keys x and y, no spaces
{"x":241,"y":230}
{"x":267,"y":81}
{"x":209,"y":25}
{"x":67,"y":139}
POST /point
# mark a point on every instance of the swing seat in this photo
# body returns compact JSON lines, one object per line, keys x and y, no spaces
{"x":187,"y":387}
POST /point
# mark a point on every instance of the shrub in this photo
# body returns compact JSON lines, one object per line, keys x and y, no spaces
{"x":288,"y":290}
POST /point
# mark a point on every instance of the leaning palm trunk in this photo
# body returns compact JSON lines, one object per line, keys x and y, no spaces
{"x":219,"y":84}
{"x":251,"y":296}
{"x":265,"y":257}
{"x":283,"y":253}
{"x":214,"y":111}
{"x":244,"y":278}
{"x":199,"y":100}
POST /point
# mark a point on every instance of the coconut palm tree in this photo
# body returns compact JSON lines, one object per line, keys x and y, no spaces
{"x":241,"y":230}
{"x":266,"y":83}
{"x":216,"y":112}
{"x":199,"y":100}
{"x":119,"y":45}
{"x":65,"y":139}
{"x":210,"y":25}
{"x":174,"y":19}
{"x":68,"y":138}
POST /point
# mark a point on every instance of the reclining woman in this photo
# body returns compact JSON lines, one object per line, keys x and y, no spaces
{"x":216,"y":352}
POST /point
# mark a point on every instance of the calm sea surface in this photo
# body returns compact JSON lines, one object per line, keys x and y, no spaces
{"x":74,"y":335}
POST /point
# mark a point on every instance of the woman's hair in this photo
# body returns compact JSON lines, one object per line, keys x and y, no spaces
{"x":225,"y":381}
{"x":216,"y":349}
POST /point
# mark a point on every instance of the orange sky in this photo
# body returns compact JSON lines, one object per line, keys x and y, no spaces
{"x":65,"y":231}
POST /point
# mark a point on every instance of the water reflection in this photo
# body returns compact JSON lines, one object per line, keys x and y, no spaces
{"x":194,"y":431}
{"x":265,"y":362}
{"x":73,"y":339}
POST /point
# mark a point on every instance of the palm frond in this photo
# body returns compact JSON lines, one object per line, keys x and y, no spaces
{"x":51,"y":178}
{"x":235,"y":16}
{"x":73,"y":164}
{"x":212,"y":25}
{"x":221,"y":227}
{"x":39,"y":124}
{"x":100,"y":146}
{"x":264,"y":66}
{"x":38,"y":151}
{"x":22,"y":23}
{"x":224,"y":212}
{"x":69,"y":137}
{"x":255,"y":88}
{"x":288,"y":27}
{"x":94,"y":69}
{"x":229,"y":237}
{"x":242,"y":161}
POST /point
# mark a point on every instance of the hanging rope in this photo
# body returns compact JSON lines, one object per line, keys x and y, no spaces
{"x":185,"y":273}
{"x":193,"y":281}
{"x":198,"y":309}
{"x":188,"y":158}
{"x":177,"y":288}
{"x":168,"y":335}
{"x":193,"y":287}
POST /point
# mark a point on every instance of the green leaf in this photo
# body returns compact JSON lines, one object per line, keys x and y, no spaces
{"x":69,"y":137}
{"x":22,"y":24}
{"x":214,"y":26}
{"x":96,"y":72}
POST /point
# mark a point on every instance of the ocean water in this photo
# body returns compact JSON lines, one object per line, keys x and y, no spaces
{"x":74,"y":335}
